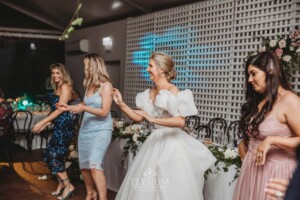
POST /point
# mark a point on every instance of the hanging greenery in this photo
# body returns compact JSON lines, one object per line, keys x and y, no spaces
{"x":75,"y":21}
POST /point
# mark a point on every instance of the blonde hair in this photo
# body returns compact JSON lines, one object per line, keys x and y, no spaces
{"x":96,"y":71}
{"x":165,"y":63}
{"x":65,"y":75}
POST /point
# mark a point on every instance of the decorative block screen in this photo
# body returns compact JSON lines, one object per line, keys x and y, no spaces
{"x":209,"y":42}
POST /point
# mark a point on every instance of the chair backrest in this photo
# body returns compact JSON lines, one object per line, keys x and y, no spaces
{"x":218,"y":128}
{"x":192,"y":122}
{"x":203,"y":132}
{"x":233,"y":132}
{"x":22,"y":121}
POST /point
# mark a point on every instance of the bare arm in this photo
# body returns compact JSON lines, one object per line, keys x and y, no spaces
{"x":242,"y":148}
{"x":106,"y":103}
{"x":126,"y":109}
{"x":63,"y":98}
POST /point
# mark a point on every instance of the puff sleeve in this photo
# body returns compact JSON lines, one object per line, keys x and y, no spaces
{"x":185,"y":103}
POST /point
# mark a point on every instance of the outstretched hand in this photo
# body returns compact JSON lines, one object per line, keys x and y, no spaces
{"x":38,"y":127}
{"x":117,"y":96}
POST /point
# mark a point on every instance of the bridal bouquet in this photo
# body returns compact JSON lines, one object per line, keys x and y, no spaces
{"x":286,"y":47}
{"x":226,"y":157}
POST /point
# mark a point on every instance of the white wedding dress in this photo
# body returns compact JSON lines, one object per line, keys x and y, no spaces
{"x":171,"y":164}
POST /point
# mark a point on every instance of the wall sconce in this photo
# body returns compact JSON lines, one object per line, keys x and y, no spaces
{"x":107,"y":42}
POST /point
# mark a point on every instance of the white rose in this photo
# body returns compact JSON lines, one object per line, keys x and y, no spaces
{"x":254,"y":53}
{"x":127,"y":130}
{"x":263,"y":48}
{"x":71,"y":147}
{"x":286,"y":58}
{"x":292,"y":48}
{"x":74,"y":154}
{"x":282,"y":44}
{"x":67,"y":165}
{"x":230,"y":153}
{"x":119,"y":124}
{"x":273,"y":43}
{"x":135,"y":137}
{"x":136,"y":128}
{"x":298,"y":50}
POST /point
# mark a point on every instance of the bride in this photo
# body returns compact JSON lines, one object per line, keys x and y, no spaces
{"x":170,"y":164}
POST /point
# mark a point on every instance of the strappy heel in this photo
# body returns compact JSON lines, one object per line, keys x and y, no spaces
{"x":58,"y":193}
{"x":70,"y":193}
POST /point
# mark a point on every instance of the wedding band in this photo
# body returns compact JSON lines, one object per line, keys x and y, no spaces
{"x":279,"y":194}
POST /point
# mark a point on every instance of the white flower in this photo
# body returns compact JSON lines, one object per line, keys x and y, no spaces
{"x":286,"y":58}
{"x":71,"y":147}
{"x":282,"y":43}
{"x":128,"y":130}
{"x":135,"y":137}
{"x":120,"y":124}
{"x":273,"y":43}
{"x":230,"y":153}
{"x":298,"y":50}
{"x":74,"y":154}
{"x":263,"y":48}
{"x":136,"y":128}
{"x":254,"y":54}
{"x":81,"y":177}
{"x":67,"y":165}
{"x":292,"y":48}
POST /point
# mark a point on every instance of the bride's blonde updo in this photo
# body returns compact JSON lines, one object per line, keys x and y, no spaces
{"x":165,"y":63}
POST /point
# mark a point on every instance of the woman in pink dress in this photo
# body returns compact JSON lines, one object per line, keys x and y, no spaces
{"x":270,"y":122}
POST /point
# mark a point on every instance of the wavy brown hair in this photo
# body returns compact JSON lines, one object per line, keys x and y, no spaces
{"x":165,"y":63}
{"x":65,"y":75}
{"x":96,"y":71}
{"x":269,"y":63}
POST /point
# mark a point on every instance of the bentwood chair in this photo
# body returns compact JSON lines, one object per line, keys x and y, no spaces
{"x":218,"y":128}
{"x":233,"y":132}
{"x":21,"y":120}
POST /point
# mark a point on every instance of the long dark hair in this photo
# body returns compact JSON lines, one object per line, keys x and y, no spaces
{"x":251,"y":117}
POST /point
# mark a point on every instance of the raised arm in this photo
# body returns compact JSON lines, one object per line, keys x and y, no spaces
{"x":128,"y":111}
{"x":65,"y":92}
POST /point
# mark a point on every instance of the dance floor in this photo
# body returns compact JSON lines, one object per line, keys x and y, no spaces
{"x":23,"y":181}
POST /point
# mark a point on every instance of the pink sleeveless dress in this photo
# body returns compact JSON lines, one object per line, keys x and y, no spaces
{"x":279,"y":163}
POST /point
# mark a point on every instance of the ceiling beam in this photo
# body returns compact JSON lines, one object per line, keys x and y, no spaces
{"x":137,"y":6}
{"x":39,"y":18}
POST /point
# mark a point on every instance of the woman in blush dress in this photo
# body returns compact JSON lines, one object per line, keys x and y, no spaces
{"x":270,"y":123}
{"x":63,"y":132}
{"x":170,"y":164}
{"x":96,"y":126}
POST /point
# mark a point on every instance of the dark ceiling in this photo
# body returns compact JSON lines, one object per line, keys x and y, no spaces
{"x":55,"y":15}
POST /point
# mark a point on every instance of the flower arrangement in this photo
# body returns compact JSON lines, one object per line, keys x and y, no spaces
{"x":72,"y":163}
{"x":226,"y":157}
{"x":286,"y":47}
{"x":134,"y":133}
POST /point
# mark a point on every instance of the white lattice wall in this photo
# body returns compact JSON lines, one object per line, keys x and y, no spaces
{"x":209,"y":42}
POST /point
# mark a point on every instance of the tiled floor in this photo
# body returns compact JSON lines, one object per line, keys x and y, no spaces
{"x":23,"y":181}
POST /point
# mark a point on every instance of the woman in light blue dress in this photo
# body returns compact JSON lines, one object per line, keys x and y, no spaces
{"x":96,"y":126}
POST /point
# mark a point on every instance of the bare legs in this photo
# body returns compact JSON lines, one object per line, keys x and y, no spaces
{"x":68,"y":187}
{"x":95,"y":182}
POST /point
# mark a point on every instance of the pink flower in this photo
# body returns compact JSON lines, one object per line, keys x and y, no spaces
{"x":295,"y":35}
{"x":282,"y":43}
{"x":279,"y":52}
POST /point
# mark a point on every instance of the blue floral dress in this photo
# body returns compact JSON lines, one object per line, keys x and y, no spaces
{"x":63,"y":134}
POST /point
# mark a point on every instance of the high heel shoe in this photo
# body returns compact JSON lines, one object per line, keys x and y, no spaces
{"x":58,"y":193}
{"x":70,"y":193}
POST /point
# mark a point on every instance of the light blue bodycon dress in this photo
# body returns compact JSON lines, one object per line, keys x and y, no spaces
{"x":94,"y":135}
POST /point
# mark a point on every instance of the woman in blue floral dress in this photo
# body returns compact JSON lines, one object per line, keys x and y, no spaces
{"x":63,"y":134}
